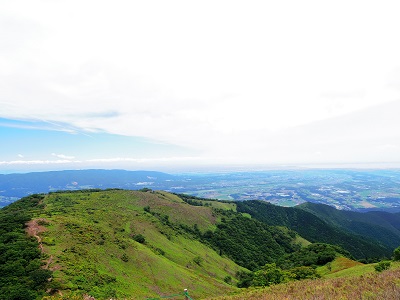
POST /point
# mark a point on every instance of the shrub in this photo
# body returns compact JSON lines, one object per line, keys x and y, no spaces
{"x":124,"y":257}
{"x":228,"y":279}
{"x":198,"y":260}
{"x":269,"y":274}
{"x":139,"y":238}
{"x":303,"y":272}
{"x":382,"y":266}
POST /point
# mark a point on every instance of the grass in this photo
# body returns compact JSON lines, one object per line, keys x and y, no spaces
{"x":343,"y":266}
{"x":90,"y":237}
{"x":382,"y":286}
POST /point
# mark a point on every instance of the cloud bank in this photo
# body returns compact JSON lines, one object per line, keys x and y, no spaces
{"x":254,"y":82}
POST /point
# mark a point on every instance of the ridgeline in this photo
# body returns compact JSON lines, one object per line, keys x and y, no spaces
{"x":123,"y":244}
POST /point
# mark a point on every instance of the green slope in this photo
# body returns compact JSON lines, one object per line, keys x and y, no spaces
{"x":142,"y":244}
{"x":357,"y":282}
{"x":313,"y":228}
{"x":381,"y":226}
{"x":93,"y":238}
{"x":139,"y":244}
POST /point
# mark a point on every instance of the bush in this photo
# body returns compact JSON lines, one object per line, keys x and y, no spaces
{"x":228,"y":279}
{"x":245,"y":279}
{"x":299,"y":273}
{"x":382,"y":266}
{"x":269,"y":274}
{"x":198,"y":260}
{"x":396,"y":254}
{"x":139,"y":238}
{"x":124,"y":257}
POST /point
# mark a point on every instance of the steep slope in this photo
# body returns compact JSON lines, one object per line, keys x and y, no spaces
{"x":313,"y":228}
{"x":381,"y":226}
{"x":22,"y":273}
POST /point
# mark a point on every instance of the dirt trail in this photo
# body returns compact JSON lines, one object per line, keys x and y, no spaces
{"x":34,"y":229}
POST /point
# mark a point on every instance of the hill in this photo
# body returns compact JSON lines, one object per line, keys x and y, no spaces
{"x":119,"y":243}
{"x":370,"y":285}
{"x":314,"y":228}
{"x":138,"y":244}
{"x":381,"y":226}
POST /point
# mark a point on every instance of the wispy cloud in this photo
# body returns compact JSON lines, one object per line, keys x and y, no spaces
{"x":37,"y":162}
{"x":145,"y":160}
{"x":62,"y":156}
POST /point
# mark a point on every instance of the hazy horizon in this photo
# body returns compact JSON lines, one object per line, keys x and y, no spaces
{"x":183,"y":86}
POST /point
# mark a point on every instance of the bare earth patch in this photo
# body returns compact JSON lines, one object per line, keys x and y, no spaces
{"x":34,"y":229}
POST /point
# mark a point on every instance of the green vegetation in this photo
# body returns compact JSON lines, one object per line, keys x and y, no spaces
{"x":317,"y":254}
{"x":138,"y":244}
{"x":380,"y":226}
{"x":22,"y":276}
{"x":396,"y":254}
{"x":314,"y":229}
{"x":297,"y":265}
{"x":383,"y":265}
{"x":248,"y":242}
{"x":115,"y":244}
{"x":382,"y":285}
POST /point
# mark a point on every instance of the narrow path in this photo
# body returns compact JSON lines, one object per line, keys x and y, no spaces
{"x":33,"y":229}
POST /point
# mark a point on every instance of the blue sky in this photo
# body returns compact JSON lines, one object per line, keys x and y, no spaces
{"x":40,"y":145}
{"x":186,"y":85}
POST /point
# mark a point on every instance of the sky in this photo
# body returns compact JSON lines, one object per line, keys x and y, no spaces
{"x":183,"y":85}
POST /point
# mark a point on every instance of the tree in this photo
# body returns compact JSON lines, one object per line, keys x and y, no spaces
{"x":303,"y":272}
{"x":396,"y":254}
{"x":139,"y":238}
{"x":269,"y":274}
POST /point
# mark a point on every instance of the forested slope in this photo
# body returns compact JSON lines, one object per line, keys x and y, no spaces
{"x":314,"y":229}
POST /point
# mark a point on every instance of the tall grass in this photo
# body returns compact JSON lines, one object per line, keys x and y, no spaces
{"x":382,"y":286}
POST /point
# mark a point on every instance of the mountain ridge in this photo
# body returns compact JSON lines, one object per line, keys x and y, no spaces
{"x":117,"y":243}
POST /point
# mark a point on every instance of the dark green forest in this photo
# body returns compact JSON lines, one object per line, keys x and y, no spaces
{"x":248,"y":242}
{"x":22,"y":275}
{"x":314,"y":229}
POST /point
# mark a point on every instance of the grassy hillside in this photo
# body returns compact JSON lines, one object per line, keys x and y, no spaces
{"x":358,"y":282}
{"x":122,"y":243}
{"x":148,"y":244}
{"x":140,"y":244}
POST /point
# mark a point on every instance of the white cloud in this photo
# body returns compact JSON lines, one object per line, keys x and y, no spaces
{"x":62,"y":156}
{"x":36,"y":162}
{"x":224,"y":77}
